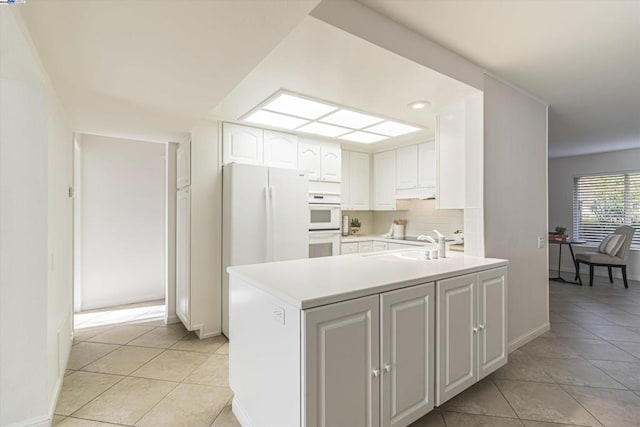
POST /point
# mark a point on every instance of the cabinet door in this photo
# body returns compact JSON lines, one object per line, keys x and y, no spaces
{"x":427,"y":164}
{"x":183,"y":252}
{"x":309,"y":159}
{"x":183,"y":164}
{"x":242,"y":144}
{"x":408,"y":327}
{"x":384,"y":181}
{"x":450,"y":154}
{"x":342,"y":353}
{"x":280,"y":150}
{"x":345,"y":195}
{"x":349,"y":248}
{"x":365,"y":247}
{"x":407,"y":167}
{"x":380,"y":246}
{"x":359,"y":179}
{"x":331,"y":164}
{"x":492,"y":320}
{"x":456,"y":340}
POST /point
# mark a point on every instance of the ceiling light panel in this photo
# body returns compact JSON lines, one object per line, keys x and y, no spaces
{"x":324,"y":129}
{"x":274,"y":119}
{"x":391,"y":128}
{"x":300,"y":107}
{"x":364,"y":137}
{"x":350,"y":119}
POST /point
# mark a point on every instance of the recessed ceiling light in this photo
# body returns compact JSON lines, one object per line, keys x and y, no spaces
{"x":390,"y":128}
{"x":274,"y":119}
{"x":419,"y":105}
{"x":324,"y":129}
{"x":298,"y":106}
{"x":364,"y":137}
{"x":350,"y":119}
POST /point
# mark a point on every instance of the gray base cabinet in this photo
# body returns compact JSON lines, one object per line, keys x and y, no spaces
{"x":472,"y":330}
{"x":378,"y":347}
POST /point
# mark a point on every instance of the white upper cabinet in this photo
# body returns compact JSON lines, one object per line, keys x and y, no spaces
{"x":407,"y":167}
{"x":183,"y":165}
{"x":355,"y":182}
{"x":242,"y":144}
{"x":450,"y":152}
{"x":321,"y":161}
{"x":280,"y":150}
{"x":384,"y":181}
{"x":345,"y":196}
{"x":309,"y":158}
{"x":427,"y":164}
{"x":331,"y":162}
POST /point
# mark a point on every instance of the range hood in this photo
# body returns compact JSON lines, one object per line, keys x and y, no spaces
{"x":416,"y":193}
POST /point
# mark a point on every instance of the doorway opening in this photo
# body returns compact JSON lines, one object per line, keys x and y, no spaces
{"x":120,"y":231}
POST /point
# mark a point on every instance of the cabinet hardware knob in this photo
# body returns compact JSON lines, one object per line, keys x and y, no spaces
{"x":475,"y":330}
{"x":376,"y":372}
{"x":387,"y":367}
{"x":481,"y":327}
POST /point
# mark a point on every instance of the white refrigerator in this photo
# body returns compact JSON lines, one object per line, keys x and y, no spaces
{"x":265,"y":218}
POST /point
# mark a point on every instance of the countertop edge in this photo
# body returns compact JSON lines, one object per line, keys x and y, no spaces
{"x":332,"y":299}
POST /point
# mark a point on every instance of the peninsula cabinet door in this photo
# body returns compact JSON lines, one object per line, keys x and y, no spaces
{"x":408,"y":340}
{"x":492,"y":320}
{"x":342,"y":343}
{"x":456,"y":360}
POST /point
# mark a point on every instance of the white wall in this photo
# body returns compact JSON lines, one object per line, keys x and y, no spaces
{"x":561,"y":173}
{"x":35,"y":233}
{"x":122,"y":214}
{"x":515,"y":202}
{"x":515,"y":160}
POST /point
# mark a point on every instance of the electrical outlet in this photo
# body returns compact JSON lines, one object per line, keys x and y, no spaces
{"x":541,"y":242}
{"x":277,"y":314}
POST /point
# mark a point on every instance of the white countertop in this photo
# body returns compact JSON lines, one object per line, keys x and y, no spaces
{"x":308,"y":283}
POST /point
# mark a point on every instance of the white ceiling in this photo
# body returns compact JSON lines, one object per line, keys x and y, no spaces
{"x":580,"y":56}
{"x":322,"y":61}
{"x":150,"y":69}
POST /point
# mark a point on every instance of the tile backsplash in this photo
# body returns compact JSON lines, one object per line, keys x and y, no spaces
{"x":421,"y":215}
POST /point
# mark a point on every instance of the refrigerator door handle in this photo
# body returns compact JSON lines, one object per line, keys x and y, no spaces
{"x":267,"y":230}
{"x":272,"y":225}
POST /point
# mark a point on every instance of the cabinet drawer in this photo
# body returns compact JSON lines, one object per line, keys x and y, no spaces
{"x":380,"y":246}
{"x":349,"y":248}
{"x":365,"y":247}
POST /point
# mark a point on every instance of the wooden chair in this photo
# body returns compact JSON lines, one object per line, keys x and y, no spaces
{"x":599,"y":259}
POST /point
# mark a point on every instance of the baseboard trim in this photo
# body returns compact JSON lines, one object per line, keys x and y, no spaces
{"x":170,"y":320}
{"x":240,"y":414}
{"x":528,"y":337}
{"x":53,"y":402}
{"x":43,"y":421}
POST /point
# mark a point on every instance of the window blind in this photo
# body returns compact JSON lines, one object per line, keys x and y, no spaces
{"x":601,"y":203}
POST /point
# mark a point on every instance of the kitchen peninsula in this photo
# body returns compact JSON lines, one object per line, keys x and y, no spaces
{"x":373,"y":339}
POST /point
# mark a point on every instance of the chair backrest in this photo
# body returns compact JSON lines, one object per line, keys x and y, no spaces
{"x":628,"y":232}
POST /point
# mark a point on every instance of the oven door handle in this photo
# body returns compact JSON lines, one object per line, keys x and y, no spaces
{"x":313,"y":235}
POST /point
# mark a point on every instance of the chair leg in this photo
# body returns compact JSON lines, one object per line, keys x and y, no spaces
{"x":591,"y":274}
{"x":624,"y":276}
{"x":610,"y":275}
{"x":578,"y":273}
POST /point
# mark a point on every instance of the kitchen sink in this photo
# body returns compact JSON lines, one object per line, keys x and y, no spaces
{"x":414,"y":255}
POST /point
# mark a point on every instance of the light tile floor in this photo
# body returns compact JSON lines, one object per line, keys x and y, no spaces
{"x":584,"y":372}
{"x":128,"y":368}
